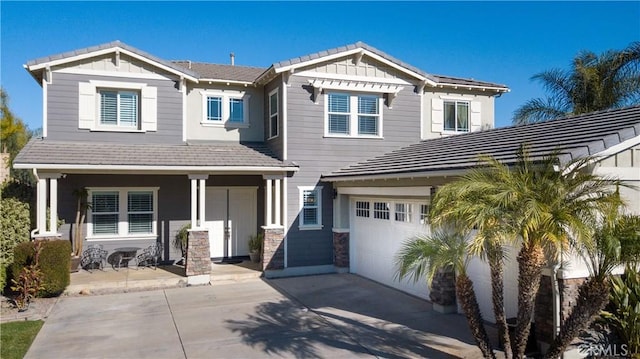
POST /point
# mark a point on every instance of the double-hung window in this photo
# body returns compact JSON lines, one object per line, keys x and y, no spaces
{"x":456,"y":116}
{"x":121,"y":212}
{"x":353,"y":115}
{"x":222,"y":108}
{"x":119,"y":108}
{"x":310,"y":207}
{"x":273,"y":114}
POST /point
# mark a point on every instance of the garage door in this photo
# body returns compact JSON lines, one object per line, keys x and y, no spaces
{"x":379,"y":227}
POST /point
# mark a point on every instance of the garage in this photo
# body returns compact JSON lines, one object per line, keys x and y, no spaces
{"x":378,"y":228}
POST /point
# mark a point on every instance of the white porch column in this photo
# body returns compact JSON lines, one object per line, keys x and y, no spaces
{"x":198,"y":185}
{"x":194,"y":203}
{"x":53,"y":205}
{"x":278,"y":208}
{"x":269,"y":204}
{"x":202,"y":200}
{"x":42,"y":205}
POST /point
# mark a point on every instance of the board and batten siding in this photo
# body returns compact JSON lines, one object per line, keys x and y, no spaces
{"x":317,"y":154}
{"x":63,"y":110}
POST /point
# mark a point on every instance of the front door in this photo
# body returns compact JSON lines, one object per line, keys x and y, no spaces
{"x":231,"y":217}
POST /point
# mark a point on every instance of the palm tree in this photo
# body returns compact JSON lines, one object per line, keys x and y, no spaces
{"x":593,"y":83}
{"x":536,"y":200}
{"x":602,"y":254}
{"x":446,"y":248}
{"x":471,"y":203}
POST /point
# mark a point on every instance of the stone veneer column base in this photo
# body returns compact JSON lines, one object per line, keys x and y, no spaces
{"x":273,"y":248}
{"x":443,"y":292}
{"x":198,"y":260}
{"x":341,"y":250}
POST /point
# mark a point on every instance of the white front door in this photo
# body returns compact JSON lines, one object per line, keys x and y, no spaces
{"x":231,"y":216}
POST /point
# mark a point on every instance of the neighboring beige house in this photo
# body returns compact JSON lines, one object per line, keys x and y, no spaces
{"x":5,"y":171}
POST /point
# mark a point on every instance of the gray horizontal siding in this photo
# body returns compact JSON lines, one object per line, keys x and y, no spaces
{"x":62,"y":112}
{"x":276,"y":144}
{"x":316,"y":155}
{"x":174,"y":204}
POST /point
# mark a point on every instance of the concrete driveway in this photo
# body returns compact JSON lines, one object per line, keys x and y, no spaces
{"x":325,"y":316}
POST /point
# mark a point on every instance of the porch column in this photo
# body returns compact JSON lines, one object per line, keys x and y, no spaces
{"x":42,"y":205}
{"x":53,"y":205}
{"x":198,"y":191}
{"x":278,"y":209}
{"x":268,"y":203}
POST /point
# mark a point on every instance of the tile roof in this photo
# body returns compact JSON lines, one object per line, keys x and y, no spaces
{"x":110,"y":45}
{"x":47,"y":152}
{"x":222,"y":72}
{"x":575,"y":137}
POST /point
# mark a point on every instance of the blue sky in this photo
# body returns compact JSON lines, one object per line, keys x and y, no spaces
{"x":502,"y":42}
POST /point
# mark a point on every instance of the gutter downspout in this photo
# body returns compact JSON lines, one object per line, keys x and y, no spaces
{"x":36,"y":230}
{"x":555,"y":294}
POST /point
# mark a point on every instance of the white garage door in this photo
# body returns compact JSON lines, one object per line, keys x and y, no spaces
{"x":379,"y":227}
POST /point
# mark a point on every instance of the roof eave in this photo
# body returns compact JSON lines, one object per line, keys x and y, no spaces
{"x":140,"y":168}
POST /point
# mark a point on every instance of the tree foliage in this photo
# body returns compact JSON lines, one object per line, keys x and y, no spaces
{"x":593,"y":83}
{"x":14,"y":134}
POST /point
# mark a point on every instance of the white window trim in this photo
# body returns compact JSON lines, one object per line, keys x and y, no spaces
{"x":123,"y":224}
{"x":456,"y":100}
{"x":353,"y":118}
{"x":117,"y":87}
{"x":308,"y":227}
{"x":226,"y":97}
{"x":277,"y":114}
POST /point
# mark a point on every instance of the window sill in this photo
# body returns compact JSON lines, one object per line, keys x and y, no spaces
{"x":117,"y":129}
{"x":451,"y":132}
{"x":355,"y":137}
{"x":272,"y":137}
{"x":115,"y":237}
{"x":311,"y":228}
{"x":224,"y":124}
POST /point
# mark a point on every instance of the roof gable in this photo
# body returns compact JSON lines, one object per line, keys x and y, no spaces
{"x":115,"y":47}
{"x":597,"y":134}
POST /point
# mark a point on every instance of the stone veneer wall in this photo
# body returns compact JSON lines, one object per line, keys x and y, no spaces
{"x":273,"y":248}
{"x":198,"y":259}
{"x":543,"y":315}
{"x":443,"y":291}
{"x":341,"y":249}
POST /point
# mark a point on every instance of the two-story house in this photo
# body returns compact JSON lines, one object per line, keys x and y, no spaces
{"x":234,"y":150}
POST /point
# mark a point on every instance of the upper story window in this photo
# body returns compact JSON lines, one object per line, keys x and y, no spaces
{"x":119,"y":108}
{"x":456,"y":116}
{"x":353,"y":115}
{"x":273,"y":114}
{"x":225,"y":108}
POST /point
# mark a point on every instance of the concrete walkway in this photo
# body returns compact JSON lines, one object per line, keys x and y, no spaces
{"x":328,"y":316}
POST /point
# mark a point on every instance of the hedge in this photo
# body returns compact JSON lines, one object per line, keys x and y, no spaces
{"x":15,"y":225}
{"x":55,"y":260}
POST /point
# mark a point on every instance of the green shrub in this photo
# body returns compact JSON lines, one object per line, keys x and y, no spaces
{"x":623,"y":313}
{"x":15,"y":225}
{"x":54,"y":263}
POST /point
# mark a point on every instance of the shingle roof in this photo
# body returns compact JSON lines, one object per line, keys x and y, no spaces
{"x":109,"y":45}
{"x":575,"y":137}
{"x":222,"y":72}
{"x":47,"y":152}
{"x":435,"y":78}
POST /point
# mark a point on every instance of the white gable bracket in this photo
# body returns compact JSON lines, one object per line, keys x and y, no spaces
{"x":117,"y":58}
{"x":358,"y":57}
{"x":317,"y":91}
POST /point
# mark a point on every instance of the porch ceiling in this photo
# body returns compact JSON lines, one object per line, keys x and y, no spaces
{"x":218,"y":156}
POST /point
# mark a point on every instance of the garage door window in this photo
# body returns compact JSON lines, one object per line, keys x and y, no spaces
{"x":362,"y":209}
{"x":381,"y":210}
{"x":403,"y":212}
{"x":424,"y":214}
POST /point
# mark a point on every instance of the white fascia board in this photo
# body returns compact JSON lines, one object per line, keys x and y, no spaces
{"x":393,"y":176}
{"x":108,"y":51}
{"x":624,"y":145}
{"x":140,"y":168}
{"x":413,"y":191}
{"x":470,"y":87}
{"x":222,"y":81}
